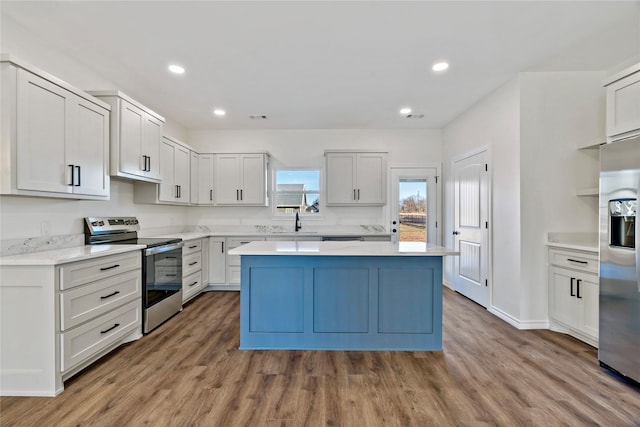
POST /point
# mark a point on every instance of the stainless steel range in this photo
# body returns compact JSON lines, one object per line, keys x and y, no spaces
{"x":161,"y":265}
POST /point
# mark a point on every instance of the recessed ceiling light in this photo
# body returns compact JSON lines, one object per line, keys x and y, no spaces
{"x":219,"y":112}
{"x":440,"y":66}
{"x":405,"y":110}
{"x":176,"y":69}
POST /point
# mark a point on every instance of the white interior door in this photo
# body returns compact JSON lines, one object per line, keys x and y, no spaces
{"x":471,"y":209}
{"x":415,"y":207}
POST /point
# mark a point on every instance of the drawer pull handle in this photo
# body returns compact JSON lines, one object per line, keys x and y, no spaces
{"x":578,"y":261}
{"x":111,"y":328}
{"x":194,"y":283}
{"x":244,"y":243}
{"x":193,"y":263}
{"x":171,"y":275}
{"x":572,"y":293}
{"x":110,"y":295}
{"x":109,"y":268}
{"x":193,"y":247}
{"x":578,"y":288}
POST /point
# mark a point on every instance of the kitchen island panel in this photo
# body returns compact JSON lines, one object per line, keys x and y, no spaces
{"x":348,"y":303}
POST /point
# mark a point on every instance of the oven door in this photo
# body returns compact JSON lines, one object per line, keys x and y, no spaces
{"x":162,"y":272}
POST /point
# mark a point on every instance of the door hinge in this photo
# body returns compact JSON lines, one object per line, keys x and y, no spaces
{"x":486,"y":167}
{"x":486,"y":224}
{"x":486,"y":282}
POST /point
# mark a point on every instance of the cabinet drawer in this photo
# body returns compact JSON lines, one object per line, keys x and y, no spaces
{"x":191,"y":285}
{"x":191,"y":264}
{"x":79,"y":344}
{"x":86,"y":302}
{"x":192,"y":246}
{"x":80,"y":273}
{"x":576,"y":260}
{"x":234,"y":243}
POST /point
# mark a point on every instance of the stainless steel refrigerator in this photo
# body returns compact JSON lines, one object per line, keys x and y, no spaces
{"x":619,"y":334}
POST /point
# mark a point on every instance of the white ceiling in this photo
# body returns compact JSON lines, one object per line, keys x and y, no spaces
{"x":322,"y":64}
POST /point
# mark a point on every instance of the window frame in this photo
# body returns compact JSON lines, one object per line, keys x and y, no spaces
{"x":274,"y":193}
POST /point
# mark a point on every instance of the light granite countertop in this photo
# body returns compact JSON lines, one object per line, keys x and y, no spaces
{"x":342,"y":249}
{"x":66,"y":255}
{"x":581,"y":241}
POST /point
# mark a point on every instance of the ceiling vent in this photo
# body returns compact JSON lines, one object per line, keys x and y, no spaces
{"x":258,"y":116}
{"x":415,"y":116}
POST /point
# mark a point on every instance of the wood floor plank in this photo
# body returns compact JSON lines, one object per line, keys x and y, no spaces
{"x":189,"y":372}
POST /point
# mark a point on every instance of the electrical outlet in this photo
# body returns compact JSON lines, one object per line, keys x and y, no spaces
{"x":45,"y":228}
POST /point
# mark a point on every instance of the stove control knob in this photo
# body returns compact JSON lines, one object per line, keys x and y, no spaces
{"x":94,"y":223}
{"x":101,"y":223}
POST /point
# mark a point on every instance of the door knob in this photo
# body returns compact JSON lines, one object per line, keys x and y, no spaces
{"x":455,"y":233}
{"x":394,"y":230}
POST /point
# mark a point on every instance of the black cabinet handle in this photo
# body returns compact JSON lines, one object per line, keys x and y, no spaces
{"x":72,"y":176}
{"x":193,"y":284}
{"x":578,"y":261}
{"x":394,"y":230}
{"x":358,"y":194}
{"x":79,"y":176}
{"x":111,"y":328}
{"x":109,"y":268}
{"x":354,"y":194}
{"x":237,"y":194}
{"x":578,"y":288}
{"x":110,"y":295}
{"x":571,"y":292}
{"x":211,"y":195}
{"x":144,"y":163}
{"x":176,"y":192}
{"x":193,"y":247}
{"x":170,"y":257}
{"x":240,"y":194}
{"x":193,"y":263}
{"x":149,"y":163}
{"x":222,"y":251}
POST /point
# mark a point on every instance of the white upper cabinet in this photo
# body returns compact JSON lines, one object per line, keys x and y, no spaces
{"x":623,"y":104}
{"x":356,"y":178}
{"x":174,"y":188}
{"x":136,"y":133}
{"x":55,"y":138}
{"x":205,"y":179}
{"x":240,"y":179}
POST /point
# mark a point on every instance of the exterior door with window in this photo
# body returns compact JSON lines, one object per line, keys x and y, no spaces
{"x":471,"y":209}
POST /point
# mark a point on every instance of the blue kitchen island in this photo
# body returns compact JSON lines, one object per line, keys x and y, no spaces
{"x":341,"y":295}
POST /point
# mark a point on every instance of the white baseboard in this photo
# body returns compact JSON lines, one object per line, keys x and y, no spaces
{"x":223,"y":287}
{"x":448,"y":284}
{"x":517,"y":323}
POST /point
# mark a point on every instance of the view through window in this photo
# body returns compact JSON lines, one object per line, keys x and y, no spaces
{"x":297,"y":190}
{"x":413,"y":210}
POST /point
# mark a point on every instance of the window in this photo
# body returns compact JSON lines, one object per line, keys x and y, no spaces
{"x":297,"y":190}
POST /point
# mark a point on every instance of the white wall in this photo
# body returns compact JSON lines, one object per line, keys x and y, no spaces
{"x":305,"y":148}
{"x":558,"y":111}
{"x":493,"y":123}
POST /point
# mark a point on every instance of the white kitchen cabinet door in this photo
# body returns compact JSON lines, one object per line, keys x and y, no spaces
{"x":563,"y":304}
{"x":174,"y":171}
{"x":43,"y":131}
{"x":131,"y":128}
{"x":341,"y":178}
{"x":151,"y":137}
{"x":217,"y":261}
{"x":623,"y":107}
{"x":194,"y":185}
{"x":588,"y":304}
{"x":167,"y":188}
{"x":371,"y":178}
{"x":253,"y":189}
{"x":89,"y":149}
{"x":205,"y":179}
{"x":227,"y":179}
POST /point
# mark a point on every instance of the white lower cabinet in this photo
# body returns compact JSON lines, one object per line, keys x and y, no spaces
{"x":58,"y":319}
{"x":574,"y":293}
{"x":217,"y":261}
{"x":233,"y":261}
{"x":192,"y":283}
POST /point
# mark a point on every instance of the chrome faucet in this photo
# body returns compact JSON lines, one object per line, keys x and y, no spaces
{"x":298,"y":223}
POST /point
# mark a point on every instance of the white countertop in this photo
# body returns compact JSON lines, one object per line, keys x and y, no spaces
{"x":341,"y":249}
{"x":190,"y":235}
{"x":66,"y":255}
{"x":581,"y":241}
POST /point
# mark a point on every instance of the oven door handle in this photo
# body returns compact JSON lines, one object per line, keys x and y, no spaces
{"x":163,"y":248}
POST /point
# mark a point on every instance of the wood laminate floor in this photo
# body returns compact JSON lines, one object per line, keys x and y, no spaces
{"x":190,"y":372}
